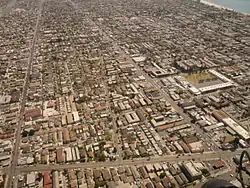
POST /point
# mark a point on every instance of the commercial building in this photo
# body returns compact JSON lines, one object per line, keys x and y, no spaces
{"x":132,"y":117}
{"x":237,"y":128}
{"x":191,"y":172}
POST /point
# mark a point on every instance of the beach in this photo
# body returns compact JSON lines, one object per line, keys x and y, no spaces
{"x":217,"y":5}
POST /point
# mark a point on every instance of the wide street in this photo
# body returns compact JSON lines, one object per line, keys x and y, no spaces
{"x":225,"y":155}
{"x":15,"y":153}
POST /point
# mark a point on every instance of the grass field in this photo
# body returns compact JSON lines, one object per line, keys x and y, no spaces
{"x":198,"y":78}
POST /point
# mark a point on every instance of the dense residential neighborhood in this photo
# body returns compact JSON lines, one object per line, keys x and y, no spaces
{"x":122,"y":93}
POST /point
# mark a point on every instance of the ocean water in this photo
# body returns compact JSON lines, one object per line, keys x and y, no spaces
{"x":237,"y":5}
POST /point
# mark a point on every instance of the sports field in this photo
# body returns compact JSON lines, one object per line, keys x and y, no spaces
{"x":199,"y":78}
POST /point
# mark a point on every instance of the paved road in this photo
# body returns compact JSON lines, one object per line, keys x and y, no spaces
{"x":15,"y":154}
{"x":141,"y":161}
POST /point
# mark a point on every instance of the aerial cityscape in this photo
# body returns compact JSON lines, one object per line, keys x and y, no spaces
{"x":114,"y":93}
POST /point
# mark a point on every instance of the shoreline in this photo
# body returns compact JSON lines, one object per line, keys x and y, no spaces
{"x":221,"y":7}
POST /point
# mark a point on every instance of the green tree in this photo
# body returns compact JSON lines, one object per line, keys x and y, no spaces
{"x":102,"y":157}
{"x":99,"y":183}
{"x":162,"y":175}
{"x":110,"y":118}
{"x":102,"y":144}
{"x":108,"y":137}
{"x":32,"y":132}
{"x":25,"y":133}
{"x":149,"y":118}
{"x":84,"y":98}
{"x":172,"y":185}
